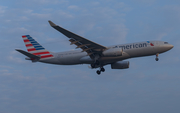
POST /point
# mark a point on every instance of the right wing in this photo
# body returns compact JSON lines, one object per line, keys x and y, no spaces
{"x":86,"y":45}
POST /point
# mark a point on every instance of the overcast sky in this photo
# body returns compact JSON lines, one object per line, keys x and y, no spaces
{"x":146,"y":87}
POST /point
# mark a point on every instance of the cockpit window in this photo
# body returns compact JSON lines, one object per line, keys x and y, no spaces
{"x":165,"y":42}
{"x":115,"y":47}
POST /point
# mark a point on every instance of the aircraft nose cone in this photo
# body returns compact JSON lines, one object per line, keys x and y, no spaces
{"x":166,"y":47}
{"x":171,"y":46}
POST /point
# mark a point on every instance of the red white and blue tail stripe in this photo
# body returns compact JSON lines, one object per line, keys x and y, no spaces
{"x":35,"y":48}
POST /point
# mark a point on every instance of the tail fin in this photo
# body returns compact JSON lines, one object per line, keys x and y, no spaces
{"x":35,"y":48}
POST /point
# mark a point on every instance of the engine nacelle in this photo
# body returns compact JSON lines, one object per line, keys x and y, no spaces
{"x":113,"y":52}
{"x":120,"y":65}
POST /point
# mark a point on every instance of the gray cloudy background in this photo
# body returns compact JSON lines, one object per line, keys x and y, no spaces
{"x":146,"y":87}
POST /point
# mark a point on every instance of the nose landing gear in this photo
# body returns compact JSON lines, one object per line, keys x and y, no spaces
{"x":157,"y":59}
{"x":101,"y":70}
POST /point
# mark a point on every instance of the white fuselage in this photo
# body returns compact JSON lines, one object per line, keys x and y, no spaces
{"x":130,"y":50}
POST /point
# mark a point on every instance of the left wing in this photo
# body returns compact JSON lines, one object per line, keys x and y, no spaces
{"x":86,"y":45}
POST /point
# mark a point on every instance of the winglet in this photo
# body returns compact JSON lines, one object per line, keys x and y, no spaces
{"x":51,"y":23}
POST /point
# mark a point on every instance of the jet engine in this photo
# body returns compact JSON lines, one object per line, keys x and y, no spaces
{"x":120,"y":65}
{"x":113,"y":52}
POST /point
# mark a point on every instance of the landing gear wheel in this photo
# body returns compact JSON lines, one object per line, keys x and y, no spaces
{"x":98,"y":72}
{"x":102,"y":69}
{"x":92,"y":65}
{"x":157,"y":59}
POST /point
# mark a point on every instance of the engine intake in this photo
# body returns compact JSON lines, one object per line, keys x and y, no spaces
{"x":113,"y":52}
{"x":120,"y":65}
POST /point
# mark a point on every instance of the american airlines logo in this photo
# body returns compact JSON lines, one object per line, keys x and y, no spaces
{"x":150,"y":43}
{"x":138,"y":45}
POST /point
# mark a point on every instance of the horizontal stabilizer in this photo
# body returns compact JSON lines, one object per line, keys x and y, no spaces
{"x":33,"y":57}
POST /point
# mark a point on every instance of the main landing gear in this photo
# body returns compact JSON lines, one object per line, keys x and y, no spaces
{"x":101,"y":70}
{"x":157,"y":59}
{"x":96,"y":63}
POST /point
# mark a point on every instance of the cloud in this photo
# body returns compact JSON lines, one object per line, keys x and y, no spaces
{"x":20,"y":30}
{"x":64,"y":14}
{"x":161,"y":35}
{"x":48,"y":1}
{"x":2,"y":9}
{"x":37,"y":15}
{"x":95,"y":3}
{"x":73,"y":7}
{"x":171,"y":11}
{"x":5,"y":72}
{"x":8,"y":67}
{"x":30,"y":13}
{"x":43,"y":2}
{"x":147,"y":2}
{"x":13,"y":57}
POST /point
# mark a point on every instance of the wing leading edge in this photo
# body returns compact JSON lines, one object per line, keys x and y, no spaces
{"x":86,"y":45}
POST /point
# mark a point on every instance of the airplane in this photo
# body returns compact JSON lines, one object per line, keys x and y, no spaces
{"x":92,"y":53}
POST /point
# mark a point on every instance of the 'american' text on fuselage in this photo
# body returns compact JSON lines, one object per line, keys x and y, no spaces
{"x":139,"y":45}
